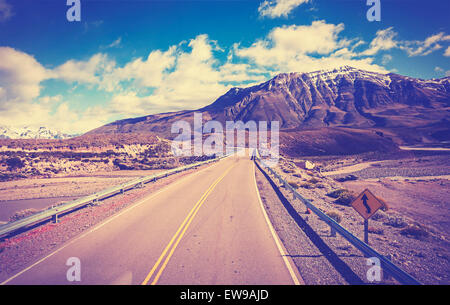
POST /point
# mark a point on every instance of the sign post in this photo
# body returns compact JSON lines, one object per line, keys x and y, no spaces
{"x":367,"y":204}
{"x":366,"y":231}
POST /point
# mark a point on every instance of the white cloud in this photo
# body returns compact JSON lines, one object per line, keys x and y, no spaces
{"x":186,"y":76}
{"x":20,"y":101}
{"x":6,"y":11}
{"x":447,"y":52}
{"x":278,"y":8}
{"x":429,"y":45}
{"x":146,"y":72}
{"x":386,"y":59}
{"x":115,"y":43}
{"x":86,"y":72}
{"x":384,"y":40}
{"x":20,"y":78}
{"x":294,"y":48}
{"x":387,"y":39}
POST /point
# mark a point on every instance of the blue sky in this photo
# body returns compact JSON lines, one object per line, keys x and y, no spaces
{"x":132,"y":58}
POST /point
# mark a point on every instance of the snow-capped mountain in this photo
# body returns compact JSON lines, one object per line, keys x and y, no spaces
{"x":345,"y":96}
{"x":27,"y":132}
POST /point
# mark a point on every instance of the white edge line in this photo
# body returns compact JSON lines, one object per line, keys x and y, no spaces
{"x":287,"y":260}
{"x":101,"y":224}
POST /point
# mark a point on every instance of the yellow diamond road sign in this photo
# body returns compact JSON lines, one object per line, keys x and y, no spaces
{"x":366,"y":204}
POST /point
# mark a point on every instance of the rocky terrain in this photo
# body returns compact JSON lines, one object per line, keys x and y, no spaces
{"x":413,"y":232}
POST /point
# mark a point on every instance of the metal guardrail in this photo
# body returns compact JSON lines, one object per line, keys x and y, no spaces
{"x":387,"y":265}
{"x":71,"y":205}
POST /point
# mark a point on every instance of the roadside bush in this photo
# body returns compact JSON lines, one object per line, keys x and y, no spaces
{"x":345,"y":198}
{"x":415,"y":231}
{"x":380,"y":216}
{"x":335,"y":215}
{"x":22,"y":214}
{"x":396,"y":222}
{"x":336,"y":193}
{"x":307,"y":185}
{"x":313,"y":180}
{"x":288,"y":170}
{"x":347,"y":178}
{"x":374,"y":230}
{"x":293,"y":183}
{"x":14,"y":163}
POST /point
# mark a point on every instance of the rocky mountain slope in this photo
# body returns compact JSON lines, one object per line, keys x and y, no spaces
{"x":343,"y":105}
{"x":346,"y":97}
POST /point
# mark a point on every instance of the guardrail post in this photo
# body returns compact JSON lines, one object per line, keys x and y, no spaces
{"x":332,"y":232}
{"x":386,"y":275}
{"x":55,"y":218}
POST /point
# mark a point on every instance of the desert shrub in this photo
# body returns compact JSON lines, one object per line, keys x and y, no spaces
{"x":374,"y":230}
{"x":22,"y":214}
{"x":14,"y":163}
{"x":294,"y":184}
{"x":335,"y":215}
{"x":347,"y":178}
{"x":396,"y":222}
{"x":385,"y":206}
{"x":307,"y":185}
{"x":345,"y":198}
{"x":415,"y":231}
{"x":336,"y":193}
{"x":313,"y":180}
{"x":380,"y":216}
{"x":288,"y":170}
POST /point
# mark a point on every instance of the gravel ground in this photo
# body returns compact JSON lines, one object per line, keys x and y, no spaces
{"x":19,"y":251}
{"x":416,"y":167}
{"x":322,"y":259}
{"x":73,"y":186}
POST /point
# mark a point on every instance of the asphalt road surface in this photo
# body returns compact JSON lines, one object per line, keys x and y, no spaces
{"x":205,"y":228}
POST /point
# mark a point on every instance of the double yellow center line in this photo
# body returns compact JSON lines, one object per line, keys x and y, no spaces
{"x":170,"y":248}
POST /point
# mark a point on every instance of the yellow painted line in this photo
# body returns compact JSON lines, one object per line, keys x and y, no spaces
{"x":108,"y":220}
{"x":178,"y":236}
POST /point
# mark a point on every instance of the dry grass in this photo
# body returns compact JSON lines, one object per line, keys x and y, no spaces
{"x":415,"y":231}
{"x":343,"y":196}
{"x":335,"y":215}
{"x":22,"y":214}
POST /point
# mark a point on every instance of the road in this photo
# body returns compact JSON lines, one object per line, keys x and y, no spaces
{"x":205,"y":228}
